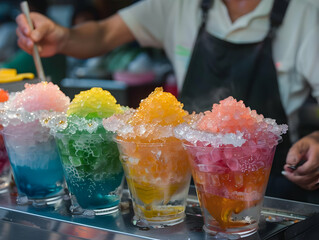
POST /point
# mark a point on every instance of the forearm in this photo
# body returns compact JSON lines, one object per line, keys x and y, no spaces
{"x":95,"y":38}
{"x":83,"y":41}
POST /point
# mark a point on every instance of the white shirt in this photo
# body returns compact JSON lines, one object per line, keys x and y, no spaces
{"x":173,"y":25}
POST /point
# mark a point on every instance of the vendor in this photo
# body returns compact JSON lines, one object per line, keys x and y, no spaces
{"x":23,"y":62}
{"x":264,"y":52}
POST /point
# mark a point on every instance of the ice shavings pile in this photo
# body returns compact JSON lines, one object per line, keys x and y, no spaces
{"x":72,"y":124}
{"x":41,"y":96}
{"x":153,"y":121}
{"x":144,"y":132}
{"x":84,"y":114}
{"x":30,"y":104}
{"x":94,"y":103}
{"x":230,"y":122}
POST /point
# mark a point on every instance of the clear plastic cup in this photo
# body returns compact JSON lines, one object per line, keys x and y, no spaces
{"x":5,"y":169}
{"x":230,"y":184}
{"x":93,"y":171}
{"x":158,"y":177}
{"x":35,"y":163}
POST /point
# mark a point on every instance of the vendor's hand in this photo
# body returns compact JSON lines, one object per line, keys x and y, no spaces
{"x":46,"y":34}
{"x":306,"y":175}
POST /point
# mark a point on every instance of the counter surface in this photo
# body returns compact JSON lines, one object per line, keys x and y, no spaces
{"x":56,"y":223}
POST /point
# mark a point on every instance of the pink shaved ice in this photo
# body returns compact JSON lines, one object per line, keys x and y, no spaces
{"x":231,"y":123}
{"x":41,"y":96}
{"x":230,"y":116}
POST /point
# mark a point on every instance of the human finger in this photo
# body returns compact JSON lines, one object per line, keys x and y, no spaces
{"x":40,"y":32}
{"x":311,"y":165}
{"x":297,"y":152}
{"x":23,"y":25}
{"x":24,"y":48}
{"x":308,"y":182}
{"x":23,"y":42}
{"x":310,"y":155}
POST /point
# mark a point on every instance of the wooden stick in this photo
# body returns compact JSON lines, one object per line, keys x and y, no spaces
{"x":36,"y":56}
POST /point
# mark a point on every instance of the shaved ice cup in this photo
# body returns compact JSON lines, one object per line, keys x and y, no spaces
{"x":231,"y":150}
{"x":5,"y":169}
{"x":158,"y":177}
{"x":93,"y":171}
{"x":35,"y":163}
{"x":230,"y":183}
{"x":31,"y":148}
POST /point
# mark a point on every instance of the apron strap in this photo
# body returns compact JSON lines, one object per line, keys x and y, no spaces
{"x":278,"y":12}
{"x":277,"y":16}
{"x":205,"y":6}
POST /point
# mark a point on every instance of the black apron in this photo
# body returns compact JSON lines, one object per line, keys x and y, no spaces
{"x":219,"y":69}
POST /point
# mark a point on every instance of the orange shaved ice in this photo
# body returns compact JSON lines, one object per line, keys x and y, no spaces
{"x":229,"y":116}
{"x":4,"y":95}
{"x":159,"y":108}
{"x":152,"y":122}
{"x":41,"y":96}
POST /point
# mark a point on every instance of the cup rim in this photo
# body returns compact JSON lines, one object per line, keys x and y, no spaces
{"x":188,"y":144}
{"x":144,"y":144}
{"x":83,"y":133}
{"x":4,"y":133}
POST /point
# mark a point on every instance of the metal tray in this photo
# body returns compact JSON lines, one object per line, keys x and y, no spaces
{"x":56,"y":223}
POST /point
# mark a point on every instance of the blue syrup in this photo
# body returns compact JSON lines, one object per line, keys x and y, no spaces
{"x":37,"y":169}
{"x":96,"y":194}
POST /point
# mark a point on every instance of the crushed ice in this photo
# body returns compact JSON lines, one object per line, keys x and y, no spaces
{"x":119,"y":123}
{"x":72,"y":124}
{"x":188,"y":133}
{"x":267,"y":132}
{"x":16,"y":116}
{"x":55,"y":121}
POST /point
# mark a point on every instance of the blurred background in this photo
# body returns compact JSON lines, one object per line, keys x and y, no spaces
{"x":129,"y":72}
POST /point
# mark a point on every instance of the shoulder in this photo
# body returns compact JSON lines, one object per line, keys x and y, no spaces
{"x":310,"y":3}
{"x":170,"y":2}
{"x":167,"y":5}
{"x":304,"y":4}
{"x":303,"y":13}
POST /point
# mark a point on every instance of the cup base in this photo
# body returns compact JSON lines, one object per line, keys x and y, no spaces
{"x":158,"y":223}
{"x":4,"y":184}
{"x":106,"y":211}
{"x":235,"y":233}
{"x":3,"y":190}
{"x":77,"y":210}
{"x":5,"y":180}
{"x":39,"y":202}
